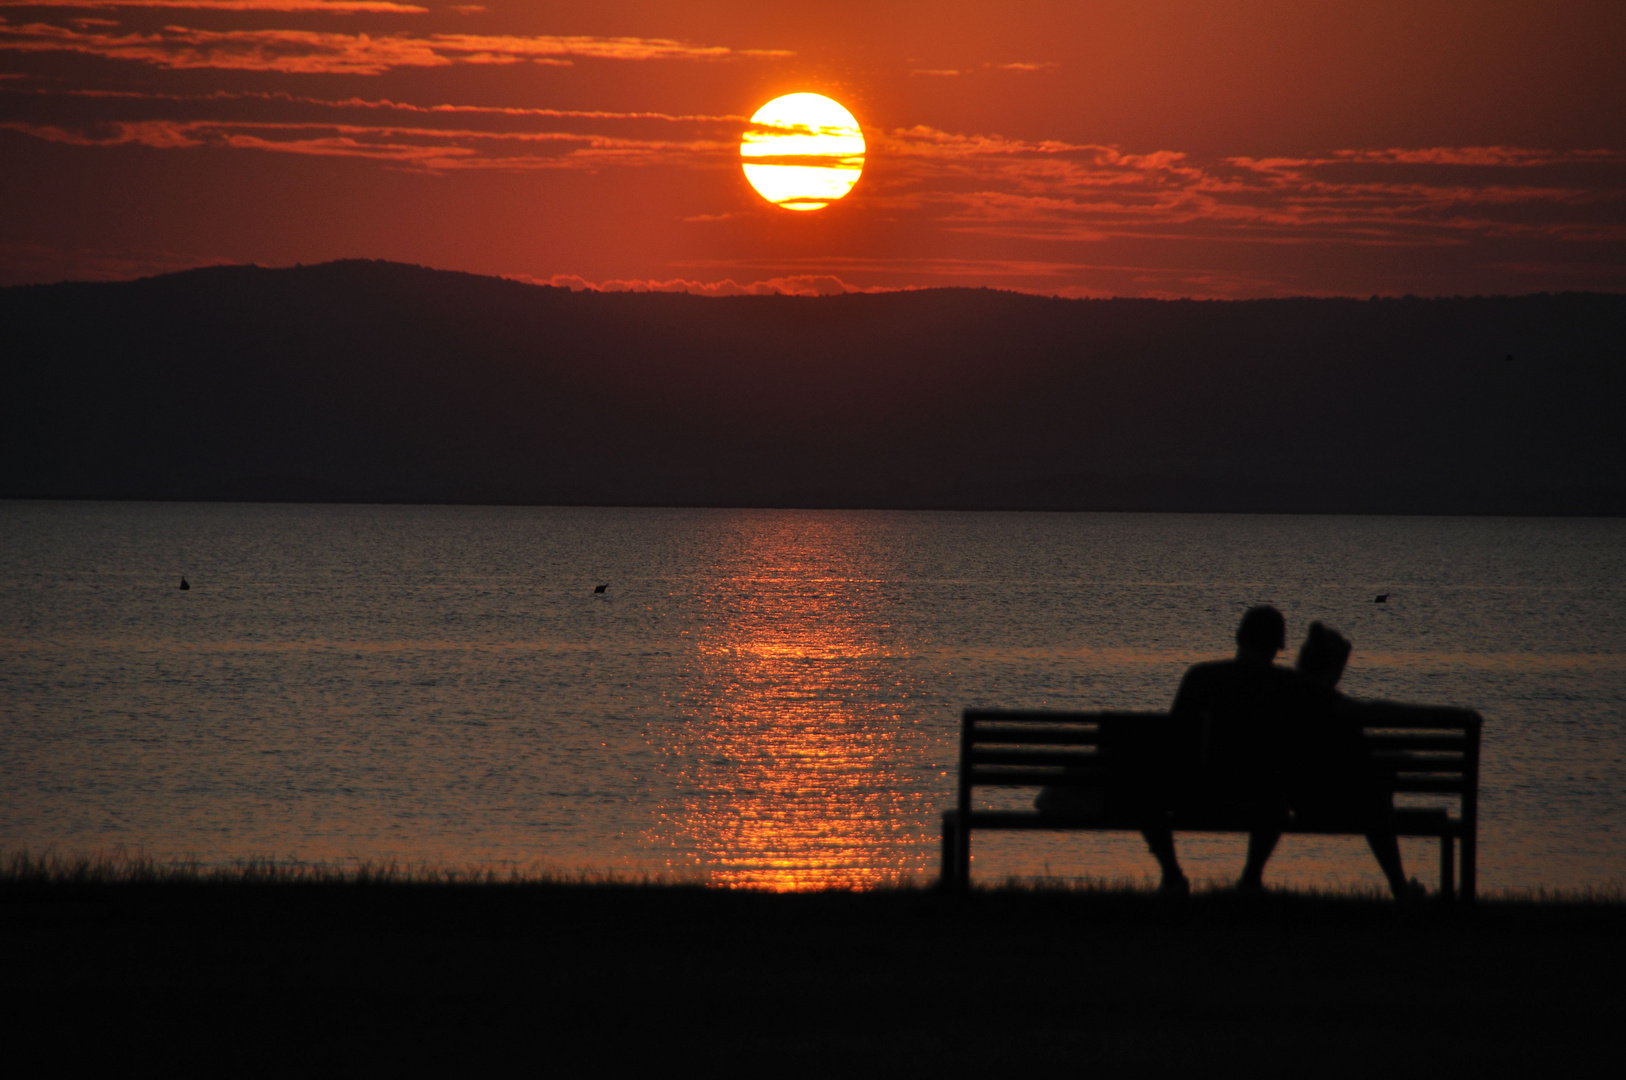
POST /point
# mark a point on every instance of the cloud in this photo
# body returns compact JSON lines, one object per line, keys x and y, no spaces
{"x":1477,"y":156}
{"x":1070,"y":192}
{"x":1021,"y":66}
{"x":428,"y":149}
{"x":934,"y":266}
{"x":288,"y":51}
{"x":601,"y":48}
{"x":792,"y":285}
{"x":734,"y":121}
{"x":326,"y":7}
{"x":319,"y":52}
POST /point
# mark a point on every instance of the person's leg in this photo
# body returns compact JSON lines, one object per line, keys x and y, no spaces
{"x":1160,"y":839}
{"x":1379,"y":811}
{"x":1387,"y":849}
{"x":1261,"y":842}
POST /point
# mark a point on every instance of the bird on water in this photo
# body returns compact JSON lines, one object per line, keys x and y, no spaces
{"x":184,"y":585}
{"x":1382,"y":598}
{"x":601,"y":588}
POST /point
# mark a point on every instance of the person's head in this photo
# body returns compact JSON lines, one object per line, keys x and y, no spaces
{"x":1261,"y":634}
{"x":1323,"y":655}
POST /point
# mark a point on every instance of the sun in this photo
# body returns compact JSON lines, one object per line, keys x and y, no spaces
{"x":802,"y":151}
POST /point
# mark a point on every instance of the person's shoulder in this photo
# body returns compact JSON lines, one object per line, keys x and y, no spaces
{"x":1210,"y":669}
{"x":1206,"y":673}
{"x":1202,"y":683}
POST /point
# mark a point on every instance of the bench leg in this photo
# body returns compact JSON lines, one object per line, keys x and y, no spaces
{"x":1470,"y":861}
{"x":1447,"y":870}
{"x":951,"y":847}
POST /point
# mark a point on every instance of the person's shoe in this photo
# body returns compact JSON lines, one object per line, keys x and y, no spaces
{"x":1175,"y":888}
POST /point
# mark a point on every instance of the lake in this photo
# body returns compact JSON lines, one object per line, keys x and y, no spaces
{"x":760,"y":698}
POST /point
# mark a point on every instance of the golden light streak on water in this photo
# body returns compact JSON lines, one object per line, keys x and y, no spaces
{"x":796,"y":778}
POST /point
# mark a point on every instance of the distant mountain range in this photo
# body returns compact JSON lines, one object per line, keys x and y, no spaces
{"x":377,"y":382}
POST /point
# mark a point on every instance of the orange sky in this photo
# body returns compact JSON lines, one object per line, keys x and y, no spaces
{"x":1156,"y":148}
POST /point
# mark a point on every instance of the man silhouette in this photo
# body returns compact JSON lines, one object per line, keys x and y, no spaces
{"x":1232,"y":722}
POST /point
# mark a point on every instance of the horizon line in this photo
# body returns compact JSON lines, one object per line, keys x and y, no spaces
{"x":785,"y":286}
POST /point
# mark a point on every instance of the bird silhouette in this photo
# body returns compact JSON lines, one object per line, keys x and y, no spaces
{"x":184,"y":585}
{"x":601,"y":588}
{"x":1382,"y":598}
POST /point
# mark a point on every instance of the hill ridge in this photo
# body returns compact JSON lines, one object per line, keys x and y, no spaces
{"x":368,"y":380}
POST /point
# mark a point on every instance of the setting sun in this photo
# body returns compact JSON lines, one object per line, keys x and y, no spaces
{"x":803,"y":151}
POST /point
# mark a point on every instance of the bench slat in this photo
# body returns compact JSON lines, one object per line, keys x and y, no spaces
{"x":1420,"y":785}
{"x":1041,"y":773}
{"x":1046,"y":716}
{"x":1418,"y":740}
{"x":1397,"y":763}
{"x":1032,"y":819}
{"x":1040,"y":736}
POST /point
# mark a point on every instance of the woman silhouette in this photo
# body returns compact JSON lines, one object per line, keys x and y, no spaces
{"x":1337,"y":783}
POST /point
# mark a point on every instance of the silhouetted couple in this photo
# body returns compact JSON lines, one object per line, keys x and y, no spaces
{"x":1253,"y":741}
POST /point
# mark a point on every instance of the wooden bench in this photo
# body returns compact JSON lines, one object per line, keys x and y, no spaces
{"x":1420,"y":749}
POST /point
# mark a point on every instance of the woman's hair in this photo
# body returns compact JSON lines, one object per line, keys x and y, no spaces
{"x":1323,"y":655}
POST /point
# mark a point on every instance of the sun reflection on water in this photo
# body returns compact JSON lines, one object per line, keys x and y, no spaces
{"x":798,"y":768}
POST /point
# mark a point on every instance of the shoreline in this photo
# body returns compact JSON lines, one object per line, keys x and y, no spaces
{"x":52,"y":873}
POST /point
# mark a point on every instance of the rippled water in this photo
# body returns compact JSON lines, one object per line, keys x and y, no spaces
{"x":759,"y":697}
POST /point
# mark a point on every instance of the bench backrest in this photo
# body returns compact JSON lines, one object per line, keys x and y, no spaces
{"x":1421,"y":749}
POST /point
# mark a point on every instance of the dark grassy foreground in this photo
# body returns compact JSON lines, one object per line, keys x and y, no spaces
{"x":252,"y":974}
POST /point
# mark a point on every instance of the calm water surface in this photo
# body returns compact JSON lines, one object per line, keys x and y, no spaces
{"x":760,"y":697}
